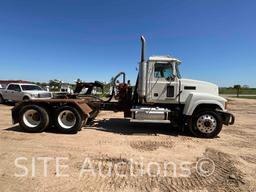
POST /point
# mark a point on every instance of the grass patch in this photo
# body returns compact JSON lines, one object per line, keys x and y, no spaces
{"x":248,"y":91}
{"x":245,"y":97}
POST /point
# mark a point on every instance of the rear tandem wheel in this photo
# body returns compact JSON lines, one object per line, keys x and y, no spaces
{"x":68,"y":119}
{"x":33,"y":118}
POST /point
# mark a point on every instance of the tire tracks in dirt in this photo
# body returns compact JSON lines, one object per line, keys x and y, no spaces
{"x":226,"y":177}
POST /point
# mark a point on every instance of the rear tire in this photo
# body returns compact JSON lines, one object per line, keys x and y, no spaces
{"x":68,"y":120}
{"x":206,"y":124}
{"x":33,"y":118}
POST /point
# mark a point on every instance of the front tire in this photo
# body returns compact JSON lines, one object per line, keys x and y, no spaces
{"x":68,"y":120}
{"x":33,"y":118}
{"x":205,"y":124}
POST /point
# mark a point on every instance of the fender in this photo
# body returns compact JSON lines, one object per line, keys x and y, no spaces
{"x":195,"y":99}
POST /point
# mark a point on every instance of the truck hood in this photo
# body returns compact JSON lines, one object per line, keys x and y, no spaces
{"x":192,"y":85}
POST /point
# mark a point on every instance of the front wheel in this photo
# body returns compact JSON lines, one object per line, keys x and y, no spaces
{"x":68,"y":119}
{"x":206,"y":124}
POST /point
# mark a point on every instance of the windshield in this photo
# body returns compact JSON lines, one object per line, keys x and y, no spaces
{"x":31,"y":88}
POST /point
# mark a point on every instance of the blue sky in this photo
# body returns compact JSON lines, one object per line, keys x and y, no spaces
{"x":94,"y":40}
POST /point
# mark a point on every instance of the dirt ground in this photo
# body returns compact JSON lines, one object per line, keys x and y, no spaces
{"x":115,"y":155}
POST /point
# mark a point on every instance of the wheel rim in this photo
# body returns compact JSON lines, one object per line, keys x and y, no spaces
{"x":66,"y":119}
{"x":206,"y":123}
{"x":31,"y":118}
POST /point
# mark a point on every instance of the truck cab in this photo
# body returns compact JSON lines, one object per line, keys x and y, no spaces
{"x":159,"y":82}
{"x":162,"y":83}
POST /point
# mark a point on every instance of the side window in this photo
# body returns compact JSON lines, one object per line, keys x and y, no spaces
{"x":11,"y":87}
{"x":163,"y":70}
{"x":17,"y":88}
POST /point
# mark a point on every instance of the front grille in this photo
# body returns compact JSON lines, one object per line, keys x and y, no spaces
{"x":44,"y":95}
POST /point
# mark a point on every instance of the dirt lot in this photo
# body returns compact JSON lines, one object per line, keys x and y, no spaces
{"x":114,"y":155}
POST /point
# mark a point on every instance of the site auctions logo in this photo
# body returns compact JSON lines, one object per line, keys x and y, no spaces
{"x":40,"y":166}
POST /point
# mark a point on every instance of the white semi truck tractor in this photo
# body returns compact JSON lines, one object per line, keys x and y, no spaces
{"x":166,"y":97}
{"x":160,"y":95}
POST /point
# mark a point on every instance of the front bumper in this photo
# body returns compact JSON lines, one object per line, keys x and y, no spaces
{"x":227,"y":118}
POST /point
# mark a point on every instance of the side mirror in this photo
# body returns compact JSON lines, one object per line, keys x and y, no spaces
{"x":171,"y":78}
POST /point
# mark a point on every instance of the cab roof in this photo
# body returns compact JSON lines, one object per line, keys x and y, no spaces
{"x":164,"y":58}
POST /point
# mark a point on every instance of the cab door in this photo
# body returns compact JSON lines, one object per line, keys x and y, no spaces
{"x":17,"y":95}
{"x":8,"y":93}
{"x":13,"y":92}
{"x":163,"y":84}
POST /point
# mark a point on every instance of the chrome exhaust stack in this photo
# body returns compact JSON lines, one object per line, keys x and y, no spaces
{"x":142,"y":71}
{"x":142,"y":48}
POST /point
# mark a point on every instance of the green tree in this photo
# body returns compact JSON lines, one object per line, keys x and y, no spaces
{"x":55,"y":84}
{"x":237,"y":87}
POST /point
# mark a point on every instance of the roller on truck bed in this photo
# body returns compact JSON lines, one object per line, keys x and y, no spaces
{"x":160,"y":95}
